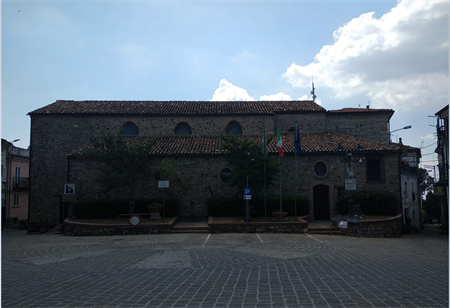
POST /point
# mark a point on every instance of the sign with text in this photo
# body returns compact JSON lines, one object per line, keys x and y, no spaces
{"x":163,"y":184}
{"x":247,"y":194}
{"x":350,"y":184}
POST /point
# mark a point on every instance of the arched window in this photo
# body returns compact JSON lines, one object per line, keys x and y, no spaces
{"x":130,"y":129}
{"x":183,"y":129}
{"x":234,"y":128}
{"x":225,"y":176}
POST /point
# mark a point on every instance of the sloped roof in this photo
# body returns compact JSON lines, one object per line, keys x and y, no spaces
{"x":177,"y":107}
{"x":359,"y":110}
{"x":212,"y":145}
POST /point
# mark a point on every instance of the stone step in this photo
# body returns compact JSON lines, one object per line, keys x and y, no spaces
{"x":323,"y":229}
{"x":186,"y":230}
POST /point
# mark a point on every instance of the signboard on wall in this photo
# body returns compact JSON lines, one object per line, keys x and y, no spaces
{"x":350,"y":184}
{"x":69,"y":192}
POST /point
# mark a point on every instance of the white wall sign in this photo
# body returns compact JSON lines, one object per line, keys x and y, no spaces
{"x":163,"y":184}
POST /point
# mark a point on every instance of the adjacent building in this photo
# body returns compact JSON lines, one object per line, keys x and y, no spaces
{"x":15,"y":185}
{"x":441,"y":186}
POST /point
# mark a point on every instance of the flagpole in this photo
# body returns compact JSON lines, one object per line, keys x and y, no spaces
{"x":281,"y":200}
{"x":265,"y":154}
{"x":295,"y":150}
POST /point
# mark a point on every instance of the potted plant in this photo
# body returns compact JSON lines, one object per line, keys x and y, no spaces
{"x":155,"y":210}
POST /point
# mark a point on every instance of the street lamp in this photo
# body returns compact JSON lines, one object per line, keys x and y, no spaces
{"x":348,"y":157}
{"x":396,"y":130}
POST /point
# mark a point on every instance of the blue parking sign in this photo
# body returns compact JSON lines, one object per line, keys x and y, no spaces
{"x":247,"y":193}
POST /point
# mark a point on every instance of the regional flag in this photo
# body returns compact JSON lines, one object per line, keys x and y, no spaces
{"x":280,"y":143}
{"x":298,"y":147}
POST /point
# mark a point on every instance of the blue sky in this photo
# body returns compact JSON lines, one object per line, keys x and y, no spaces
{"x":391,"y":54}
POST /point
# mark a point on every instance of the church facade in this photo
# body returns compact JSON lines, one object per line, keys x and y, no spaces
{"x":187,"y":132}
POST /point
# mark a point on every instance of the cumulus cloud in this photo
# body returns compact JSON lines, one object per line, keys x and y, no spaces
{"x":280,"y":96}
{"x":399,"y":60}
{"x":229,"y":92}
{"x":308,"y":98}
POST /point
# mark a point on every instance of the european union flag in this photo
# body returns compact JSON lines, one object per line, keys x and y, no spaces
{"x":298,"y":147}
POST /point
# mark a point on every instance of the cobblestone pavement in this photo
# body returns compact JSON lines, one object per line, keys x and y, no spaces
{"x":223,"y":270}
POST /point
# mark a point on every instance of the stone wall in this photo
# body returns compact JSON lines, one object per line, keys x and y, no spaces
{"x":258,"y":227}
{"x":203,"y":177}
{"x":308,"y":123}
{"x":370,"y":125}
{"x":391,"y":227}
{"x":53,"y":137}
{"x":82,"y":229}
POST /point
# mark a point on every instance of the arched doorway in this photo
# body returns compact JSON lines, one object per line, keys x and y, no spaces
{"x":321,"y":202}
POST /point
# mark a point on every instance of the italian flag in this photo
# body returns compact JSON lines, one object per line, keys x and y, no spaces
{"x":280,"y":143}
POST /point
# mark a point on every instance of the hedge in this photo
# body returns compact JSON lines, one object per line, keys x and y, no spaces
{"x":373,"y":202}
{"x":235,"y":206}
{"x":111,"y":208}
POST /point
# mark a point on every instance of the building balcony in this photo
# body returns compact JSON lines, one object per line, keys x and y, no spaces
{"x":21,"y":184}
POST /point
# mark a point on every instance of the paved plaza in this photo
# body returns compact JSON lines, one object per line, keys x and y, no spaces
{"x":223,"y":270}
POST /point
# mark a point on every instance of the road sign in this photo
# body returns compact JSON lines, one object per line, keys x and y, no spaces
{"x":163,"y":184}
{"x":247,"y":194}
{"x":134,"y":220}
{"x":69,"y":189}
{"x":350,"y":184}
{"x":342,"y":224}
{"x":69,"y":192}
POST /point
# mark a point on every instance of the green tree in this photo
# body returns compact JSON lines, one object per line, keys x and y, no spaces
{"x":425,"y":181}
{"x":123,"y":160}
{"x":168,"y":171}
{"x":432,"y":205}
{"x":247,"y":158}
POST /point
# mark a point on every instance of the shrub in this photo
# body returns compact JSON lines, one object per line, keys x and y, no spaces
{"x":373,"y":202}
{"x":111,"y":208}
{"x":235,"y":206}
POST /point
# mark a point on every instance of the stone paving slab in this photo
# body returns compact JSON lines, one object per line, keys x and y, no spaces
{"x":223,"y":270}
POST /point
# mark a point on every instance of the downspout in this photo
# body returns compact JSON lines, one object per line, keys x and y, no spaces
{"x":30,"y":164}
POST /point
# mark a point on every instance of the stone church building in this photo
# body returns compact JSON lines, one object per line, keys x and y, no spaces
{"x":187,"y":132}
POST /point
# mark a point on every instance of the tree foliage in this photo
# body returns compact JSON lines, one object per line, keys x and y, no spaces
{"x":246,"y":156}
{"x":168,"y":171}
{"x":123,"y":160}
{"x":425,"y":181}
{"x":432,"y":205}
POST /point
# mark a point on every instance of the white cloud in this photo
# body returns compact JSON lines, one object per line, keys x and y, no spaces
{"x":428,"y":137}
{"x":399,"y":60}
{"x":280,"y":96}
{"x":229,"y":92}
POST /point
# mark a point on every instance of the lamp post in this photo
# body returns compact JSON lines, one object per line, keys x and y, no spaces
{"x":396,"y":130}
{"x":350,"y":184}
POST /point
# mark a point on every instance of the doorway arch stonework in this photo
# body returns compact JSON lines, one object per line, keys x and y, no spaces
{"x":330,"y":197}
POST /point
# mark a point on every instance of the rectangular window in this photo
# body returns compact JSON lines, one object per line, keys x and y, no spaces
{"x":3,"y":173}
{"x":17,"y":175}
{"x":374,"y":170}
{"x":16,"y":200}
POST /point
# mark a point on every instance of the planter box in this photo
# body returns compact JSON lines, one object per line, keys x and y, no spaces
{"x":279,"y":216}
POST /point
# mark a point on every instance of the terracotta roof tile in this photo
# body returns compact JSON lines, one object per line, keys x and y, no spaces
{"x":359,"y":110}
{"x":212,"y":145}
{"x":177,"y":107}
